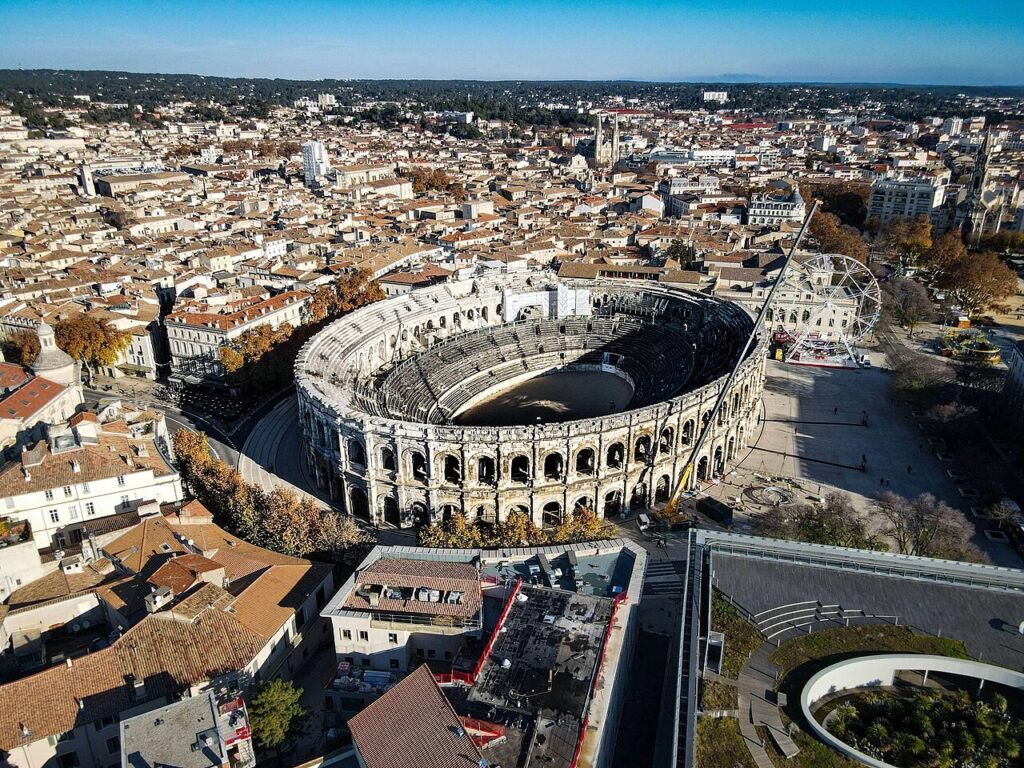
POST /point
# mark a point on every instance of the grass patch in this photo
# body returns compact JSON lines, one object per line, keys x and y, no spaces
{"x":832,"y":645}
{"x":813,"y":754}
{"x":720,"y":744}
{"x":741,"y":638}
{"x":716,"y":696}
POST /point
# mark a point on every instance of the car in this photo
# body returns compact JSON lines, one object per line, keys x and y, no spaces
{"x":643,"y":521}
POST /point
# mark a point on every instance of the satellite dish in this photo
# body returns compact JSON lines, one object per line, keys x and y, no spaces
{"x":75,"y":627}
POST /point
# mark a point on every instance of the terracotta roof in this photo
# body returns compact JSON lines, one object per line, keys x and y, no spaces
{"x":12,"y":375}
{"x":413,"y":724}
{"x":95,"y":462}
{"x":29,"y":398}
{"x":399,"y":573}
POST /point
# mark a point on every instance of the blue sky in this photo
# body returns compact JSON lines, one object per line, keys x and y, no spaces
{"x":976,"y":42}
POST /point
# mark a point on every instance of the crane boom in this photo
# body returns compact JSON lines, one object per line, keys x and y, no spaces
{"x":758,"y":326}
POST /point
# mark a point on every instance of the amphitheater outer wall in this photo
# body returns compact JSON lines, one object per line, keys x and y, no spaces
{"x":388,"y":470}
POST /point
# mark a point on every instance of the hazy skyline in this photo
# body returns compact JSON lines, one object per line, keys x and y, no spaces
{"x":868,"y":41}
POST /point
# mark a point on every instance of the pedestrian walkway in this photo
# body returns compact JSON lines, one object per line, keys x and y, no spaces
{"x":758,"y":707}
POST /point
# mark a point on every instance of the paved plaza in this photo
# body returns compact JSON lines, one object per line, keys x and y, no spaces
{"x":812,"y":432}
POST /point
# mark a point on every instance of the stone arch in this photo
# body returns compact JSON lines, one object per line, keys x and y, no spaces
{"x":639,"y":498}
{"x":554,"y":466}
{"x":718,"y":463}
{"x":642,"y":448}
{"x":387,"y":459}
{"x":551,"y":514}
{"x":485,"y":470}
{"x":730,"y":450}
{"x":449,"y":510}
{"x":451,"y":468}
{"x":612,"y":503}
{"x":586,"y":461}
{"x":419,"y":514}
{"x":702,"y":468}
{"x":663,"y":489}
{"x":519,"y":469}
{"x":615,"y":455}
{"x":359,"y":505}
{"x":667,"y":440}
{"x":689,"y":429}
{"x":389,"y":511}
{"x":583,"y":502}
{"x":418,"y":466}
{"x":356,"y":452}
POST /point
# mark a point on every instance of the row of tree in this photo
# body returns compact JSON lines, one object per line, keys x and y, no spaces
{"x":516,"y":530}
{"x":87,"y":338}
{"x":280,"y":520}
{"x":264,"y":358}
{"x":920,"y":526}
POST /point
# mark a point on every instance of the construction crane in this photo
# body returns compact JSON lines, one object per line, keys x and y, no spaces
{"x":671,"y":507}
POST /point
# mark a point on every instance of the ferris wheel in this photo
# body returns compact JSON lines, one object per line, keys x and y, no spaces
{"x":829,"y":304}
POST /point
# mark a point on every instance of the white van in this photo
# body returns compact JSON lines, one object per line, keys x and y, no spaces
{"x":643,"y":521}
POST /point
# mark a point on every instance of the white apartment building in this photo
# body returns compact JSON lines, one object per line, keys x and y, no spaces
{"x":196,"y":332}
{"x":84,"y":473}
{"x":909,"y":198}
{"x":315,"y":163}
{"x":782,"y":204}
{"x":719,"y":96}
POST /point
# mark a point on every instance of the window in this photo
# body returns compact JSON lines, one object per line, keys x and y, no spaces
{"x":113,"y":745}
{"x":346,"y":634}
{"x":54,"y":516}
{"x":106,"y":722}
{"x":68,"y":760}
{"x":394,"y":663}
{"x":431,"y":653}
{"x":85,"y":487}
{"x":120,"y":481}
{"x":364,"y":635}
{"x":393,"y":637}
{"x":90,"y":508}
{"x":124,"y":500}
{"x":49,"y":494}
{"x":67,"y":490}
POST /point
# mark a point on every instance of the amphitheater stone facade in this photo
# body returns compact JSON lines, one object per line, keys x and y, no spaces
{"x":380,"y":389}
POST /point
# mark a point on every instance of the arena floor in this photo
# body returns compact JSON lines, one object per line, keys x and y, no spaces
{"x":553,"y":398}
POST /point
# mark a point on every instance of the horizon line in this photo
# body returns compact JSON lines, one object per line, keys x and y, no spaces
{"x":740,"y":79}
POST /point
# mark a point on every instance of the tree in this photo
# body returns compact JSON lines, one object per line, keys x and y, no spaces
{"x":907,"y":302}
{"x":911,"y":238}
{"x":834,"y":237}
{"x":230,"y":358}
{"x":517,"y":530}
{"x":21,"y":347}
{"x":836,"y":522}
{"x":581,"y":525}
{"x":976,"y":281}
{"x":456,"y":532}
{"x":926,"y":527}
{"x":91,"y":340}
{"x":275,"y":712}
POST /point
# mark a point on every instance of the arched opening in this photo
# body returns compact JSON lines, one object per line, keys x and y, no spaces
{"x":520,"y":469}
{"x":615,"y":455}
{"x":551,"y":514}
{"x":390,"y":511}
{"x":583,"y":502}
{"x":359,"y":506}
{"x":485,"y":470}
{"x":519,"y":509}
{"x":419,"y":513}
{"x":356,"y":452}
{"x":419,"y":466}
{"x":662,"y":489}
{"x":452,"y":469}
{"x":448,"y":511}
{"x":553,"y":466}
{"x":719,"y":463}
{"x":666,"y":440}
{"x":688,"y":429}
{"x":705,"y":418}
{"x":638,"y":499}
{"x":387,"y":460}
{"x":612,"y":503}
{"x":585,"y":461}
{"x":730,"y":452}
{"x":642,"y":448}
{"x":806,"y":316}
{"x":702,"y":468}
{"x":485,"y":516}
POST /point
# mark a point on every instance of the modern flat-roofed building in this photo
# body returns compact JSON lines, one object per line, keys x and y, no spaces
{"x":894,"y":199}
{"x":192,"y":733}
{"x":315,"y":163}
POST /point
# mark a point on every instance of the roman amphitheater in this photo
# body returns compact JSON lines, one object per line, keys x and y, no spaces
{"x":534,"y":394}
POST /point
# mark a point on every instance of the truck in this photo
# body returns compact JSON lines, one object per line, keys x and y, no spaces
{"x":717,"y":510}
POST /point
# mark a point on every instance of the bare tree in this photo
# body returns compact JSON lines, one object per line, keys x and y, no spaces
{"x":907,"y":302}
{"x":927,"y":527}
